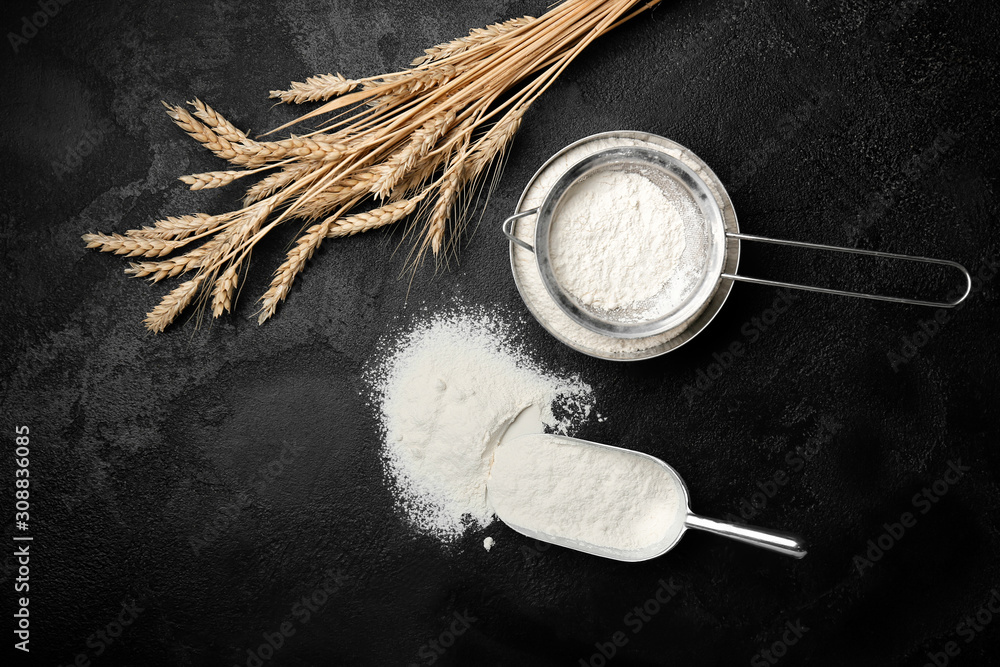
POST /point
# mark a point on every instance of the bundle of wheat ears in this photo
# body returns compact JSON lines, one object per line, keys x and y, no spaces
{"x":421,"y":143}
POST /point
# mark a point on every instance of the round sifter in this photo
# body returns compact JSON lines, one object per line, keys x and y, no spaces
{"x":694,"y":278}
{"x":706,"y":266}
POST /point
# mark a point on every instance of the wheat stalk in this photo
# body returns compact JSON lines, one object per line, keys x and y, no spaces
{"x":420,"y":143}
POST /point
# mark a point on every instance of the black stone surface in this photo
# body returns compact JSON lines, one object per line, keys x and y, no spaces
{"x":844,"y":122}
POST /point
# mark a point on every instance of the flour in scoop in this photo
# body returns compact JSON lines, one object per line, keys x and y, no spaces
{"x":616,"y":241}
{"x":447,"y":392}
{"x":597,"y":495}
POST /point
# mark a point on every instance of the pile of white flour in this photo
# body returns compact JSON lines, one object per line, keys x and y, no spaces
{"x":447,"y":392}
{"x":596,"y":495}
{"x":616,"y":241}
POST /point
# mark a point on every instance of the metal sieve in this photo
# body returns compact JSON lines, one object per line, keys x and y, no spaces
{"x":710,"y":256}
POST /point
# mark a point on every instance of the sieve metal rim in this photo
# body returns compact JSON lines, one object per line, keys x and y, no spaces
{"x":728,"y":275}
{"x":686,"y":331}
{"x":713,"y":224}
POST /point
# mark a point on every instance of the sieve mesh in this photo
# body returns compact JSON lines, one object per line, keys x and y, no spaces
{"x":531,"y":284}
{"x":690,"y":283}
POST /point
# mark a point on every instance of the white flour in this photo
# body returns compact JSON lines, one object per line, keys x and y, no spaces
{"x":447,"y":393}
{"x":595,"y":495}
{"x":533,"y":290}
{"x":616,"y":241}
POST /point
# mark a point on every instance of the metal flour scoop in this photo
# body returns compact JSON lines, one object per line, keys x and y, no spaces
{"x":603,"y":500}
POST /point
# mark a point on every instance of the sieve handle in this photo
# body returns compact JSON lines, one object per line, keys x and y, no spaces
{"x":856,"y":251}
{"x":508,"y":229}
{"x":775,"y":540}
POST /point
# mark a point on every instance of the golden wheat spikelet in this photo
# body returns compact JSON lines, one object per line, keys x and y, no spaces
{"x":419,"y":141}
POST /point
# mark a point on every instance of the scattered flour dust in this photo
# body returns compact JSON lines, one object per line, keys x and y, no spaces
{"x":447,"y":391}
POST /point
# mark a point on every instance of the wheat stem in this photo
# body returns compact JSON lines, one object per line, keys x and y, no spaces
{"x":422,"y":142}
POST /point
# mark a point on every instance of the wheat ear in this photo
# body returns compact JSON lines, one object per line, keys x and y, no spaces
{"x":379,"y":217}
{"x":419,"y":140}
{"x":404,"y":161}
{"x":212,"y":179}
{"x":222,"y":292}
{"x":213,"y":119}
{"x":305,"y":247}
{"x":172,"y":305}
{"x":180,"y":227}
{"x":274,"y":182}
{"x":316,"y":89}
{"x":203,"y":134}
{"x":133,"y":246}
{"x":476,"y":37}
{"x":441,"y":212}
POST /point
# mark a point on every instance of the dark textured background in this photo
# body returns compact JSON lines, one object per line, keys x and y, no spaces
{"x":822,"y":116}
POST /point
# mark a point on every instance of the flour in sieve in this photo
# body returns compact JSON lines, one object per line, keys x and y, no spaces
{"x":447,"y":391}
{"x":525,"y":267}
{"x":616,"y":241}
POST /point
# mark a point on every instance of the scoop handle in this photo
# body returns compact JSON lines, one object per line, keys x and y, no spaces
{"x":784,"y":543}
